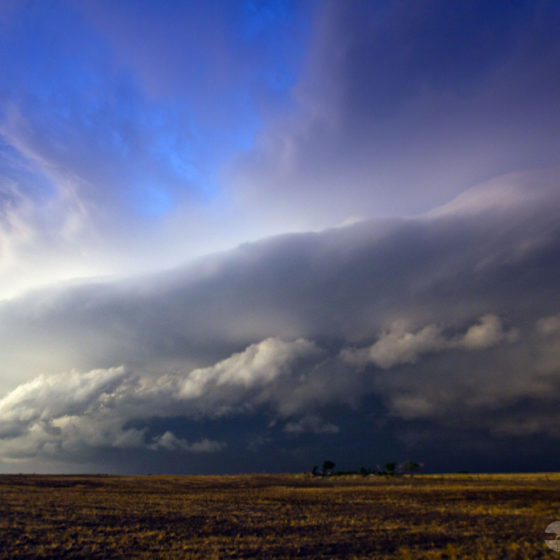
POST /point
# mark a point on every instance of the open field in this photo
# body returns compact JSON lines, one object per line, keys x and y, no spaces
{"x":277,"y":516}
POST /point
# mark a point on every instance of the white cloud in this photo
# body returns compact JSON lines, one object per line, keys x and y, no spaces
{"x":258,"y":365}
{"x":170,"y":442}
{"x":58,"y":396}
{"x":313,"y":424}
{"x":413,"y":406}
{"x":548,"y":326}
{"x":68,"y":412}
{"x":399,"y":346}
{"x":488,"y":332}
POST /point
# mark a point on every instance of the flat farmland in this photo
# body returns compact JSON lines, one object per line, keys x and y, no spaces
{"x":277,"y":516}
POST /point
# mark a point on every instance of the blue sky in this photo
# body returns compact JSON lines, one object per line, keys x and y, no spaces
{"x":318,"y":222}
{"x":128,"y":113}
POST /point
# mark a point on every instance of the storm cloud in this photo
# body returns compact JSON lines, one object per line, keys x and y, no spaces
{"x":254,"y":235}
{"x":454,"y":314}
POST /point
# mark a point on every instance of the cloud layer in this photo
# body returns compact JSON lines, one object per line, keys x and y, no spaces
{"x":381,"y":179}
{"x":449,"y":318}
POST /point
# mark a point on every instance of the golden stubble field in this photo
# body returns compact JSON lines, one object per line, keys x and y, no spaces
{"x":277,"y":516}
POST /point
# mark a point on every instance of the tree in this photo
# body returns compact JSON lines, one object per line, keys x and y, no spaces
{"x":410,"y":467}
{"x":328,"y":467}
{"x":390,"y":468}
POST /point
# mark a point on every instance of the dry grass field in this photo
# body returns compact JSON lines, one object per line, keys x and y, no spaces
{"x":277,"y":516}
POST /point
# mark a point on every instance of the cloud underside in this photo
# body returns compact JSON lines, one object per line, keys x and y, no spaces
{"x":453,"y":315}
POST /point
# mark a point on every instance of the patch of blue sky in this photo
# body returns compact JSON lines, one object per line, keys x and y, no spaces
{"x":176,"y":151}
{"x":280,"y":80}
{"x":242,"y":139}
{"x":84,"y":107}
{"x":189,"y":151}
{"x":258,"y":16}
{"x":54,"y":68}
{"x":50,"y":48}
{"x":117,"y":143}
{"x":242,"y":136}
{"x":184,"y":168}
{"x":152,"y":201}
{"x":280,"y":31}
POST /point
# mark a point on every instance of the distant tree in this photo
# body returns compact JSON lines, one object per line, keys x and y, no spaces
{"x":410,"y":467}
{"x":316,"y":471}
{"x":390,"y":468}
{"x":328,"y":467}
{"x":364,"y":471}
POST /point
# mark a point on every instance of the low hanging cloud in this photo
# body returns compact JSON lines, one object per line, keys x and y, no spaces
{"x":61,"y":415}
{"x":169,"y":442}
{"x":257,"y":366}
{"x":313,"y":424}
{"x":485,"y":334}
{"x":512,"y":391}
{"x":548,"y":326}
{"x":47,"y":397}
{"x":68,"y":412}
{"x":399,"y":346}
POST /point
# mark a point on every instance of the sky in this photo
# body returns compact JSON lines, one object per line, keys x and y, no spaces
{"x":249,"y":236}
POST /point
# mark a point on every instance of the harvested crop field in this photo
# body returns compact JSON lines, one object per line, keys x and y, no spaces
{"x":277,"y":516}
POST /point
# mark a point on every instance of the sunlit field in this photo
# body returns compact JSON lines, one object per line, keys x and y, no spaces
{"x":278,"y":516}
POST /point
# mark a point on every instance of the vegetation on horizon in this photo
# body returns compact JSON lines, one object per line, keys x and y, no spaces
{"x":389,"y":469}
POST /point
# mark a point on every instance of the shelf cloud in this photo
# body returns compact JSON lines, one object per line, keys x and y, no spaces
{"x":444,"y":314}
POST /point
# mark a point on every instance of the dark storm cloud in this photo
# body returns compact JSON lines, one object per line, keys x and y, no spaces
{"x":451,"y":315}
{"x":402,"y":105}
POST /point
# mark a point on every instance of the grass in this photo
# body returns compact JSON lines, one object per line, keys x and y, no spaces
{"x":277,"y":516}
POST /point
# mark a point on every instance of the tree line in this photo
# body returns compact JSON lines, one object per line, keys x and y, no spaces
{"x":391,"y":468}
